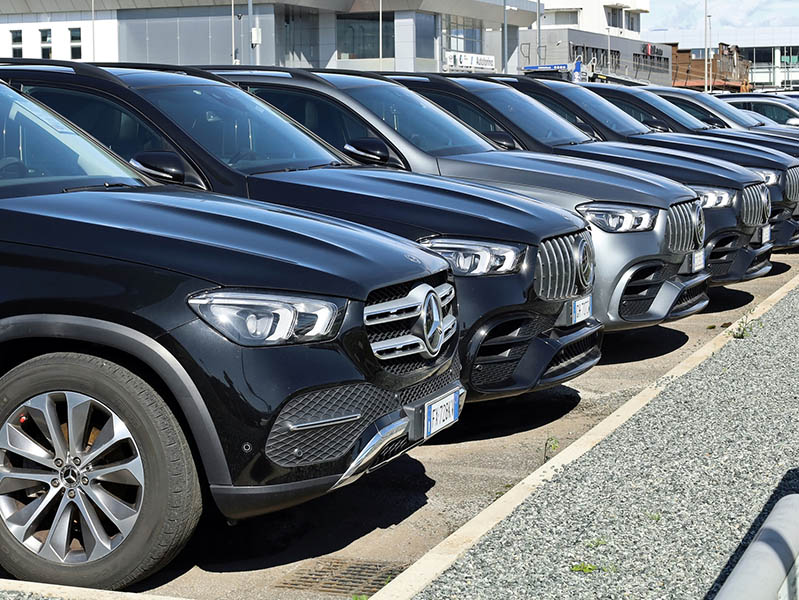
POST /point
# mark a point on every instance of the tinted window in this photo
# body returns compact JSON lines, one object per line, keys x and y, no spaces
{"x":635,"y":112}
{"x":603,"y":111}
{"x":775,"y":112}
{"x":418,"y":120}
{"x":535,"y":119}
{"x":724,"y":109}
{"x":40,"y":153}
{"x":238,"y":129}
{"x":474,"y":118}
{"x":691,"y":108}
{"x":685,"y":119}
{"x":563,"y":111}
{"x":108,"y":122}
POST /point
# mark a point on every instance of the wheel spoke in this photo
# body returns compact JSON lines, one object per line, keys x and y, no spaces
{"x":95,"y":540}
{"x":23,"y":522}
{"x":56,"y":546}
{"x":16,"y":441}
{"x":78,"y":409}
{"x":113,"y":432}
{"x":22,"y":479}
{"x":119,"y":513}
{"x":45,"y":416}
{"x":129,"y":472}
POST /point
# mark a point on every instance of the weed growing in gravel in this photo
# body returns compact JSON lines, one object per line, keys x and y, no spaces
{"x":596,"y":543}
{"x":501,"y":492}
{"x":745,"y":327}
{"x":654,"y":516}
{"x":551,"y":445}
{"x":360,"y":597}
{"x":584,"y":567}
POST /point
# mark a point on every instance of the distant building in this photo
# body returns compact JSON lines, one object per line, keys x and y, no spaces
{"x":772,"y":51}
{"x":728,"y":70}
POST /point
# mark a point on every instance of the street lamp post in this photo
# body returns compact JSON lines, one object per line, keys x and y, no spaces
{"x":232,"y":32}
{"x":538,"y":27}
{"x":504,"y":36}
{"x":380,"y":34}
{"x":94,"y":57}
{"x":706,"y":46}
{"x":608,"y":28}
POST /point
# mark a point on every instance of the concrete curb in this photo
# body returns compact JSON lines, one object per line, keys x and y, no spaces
{"x":425,"y":570}
{"x":64,"y":592}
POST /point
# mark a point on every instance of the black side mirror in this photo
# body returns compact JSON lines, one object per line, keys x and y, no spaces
{"x":369,"y":150}
{"x":165,"y":166}
{"x":502,"y":139}
{"x":657,"y":124}
{"x":714,"y":121}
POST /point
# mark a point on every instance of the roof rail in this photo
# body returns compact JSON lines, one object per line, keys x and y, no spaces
{"x":299,"y":73}
{"x":367,"y":74}
{"x":187,"y":70}
{"x":80,"y":68}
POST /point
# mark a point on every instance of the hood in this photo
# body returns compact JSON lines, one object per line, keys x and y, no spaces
{"x":740,"y":153}
{"x":589,"y":179}
{"x":223,"y":240}
{"x":416,"y":206}
{"x":760,"y":136}
{"x":685,"y":167}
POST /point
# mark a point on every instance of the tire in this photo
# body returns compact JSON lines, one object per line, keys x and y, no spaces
{"x":141,"y":482}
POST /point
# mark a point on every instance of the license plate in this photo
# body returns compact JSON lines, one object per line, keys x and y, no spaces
{"x":698,"y":261}
{"x":581,"y":309}
{"x":441,"y":413}
{"x":765,"y":234}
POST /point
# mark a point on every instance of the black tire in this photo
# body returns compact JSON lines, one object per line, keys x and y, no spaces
{"x":169,"y":502}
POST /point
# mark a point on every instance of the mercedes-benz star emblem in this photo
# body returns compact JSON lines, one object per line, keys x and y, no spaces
{"x":699,"y":219}
{"x":766,"y":195}
{"x":432,"y":323}
{"x":70,"y":476}
{"x":584,"y":257}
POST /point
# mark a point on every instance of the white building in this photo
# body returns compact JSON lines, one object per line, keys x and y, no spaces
{"x":615,"y":17}
{"x":416,"y":34}
{"x":773,"y":51}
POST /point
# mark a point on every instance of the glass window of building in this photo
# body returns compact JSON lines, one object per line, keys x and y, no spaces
{"x":764,"y":56}
{"x":45,"y":35}
{"x":632,"y":21}
{"x":463,"y":34}
{"x":426,"y":35}
{"x":566,"y":17}
{"x":75,"y":43}
{"x":614,"y":17}
{"x":357,"y":35}
{"x":16,"y":43}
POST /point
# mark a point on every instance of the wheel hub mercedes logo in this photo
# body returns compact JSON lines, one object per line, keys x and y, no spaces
{"x":584,"y":258}
{"x":431,"y":323}
{"x":70,"y":476}
{"x":699,"y":220}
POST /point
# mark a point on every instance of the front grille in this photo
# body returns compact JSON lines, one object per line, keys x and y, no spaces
{"x":690,"y":297}
{"x":504,"y":346}
{"x":557,"y":276}
{"x":575,"y":353}
{"x":681,"y":226}
{"x":303,"y":447}
{"x":752,"y":204}
{"x":792,"y":184}
{"x":643,"y":287}
{"x":395,"y":321}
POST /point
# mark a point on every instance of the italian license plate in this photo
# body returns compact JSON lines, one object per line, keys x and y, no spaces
{"x":441,"y":413}
{"x":581,"y":309}
{"x":698,"y":261}
{"x":765,"y":234}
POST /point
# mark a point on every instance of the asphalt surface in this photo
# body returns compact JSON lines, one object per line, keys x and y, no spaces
{"x":663,"y":507}
{"x":384,"y":522}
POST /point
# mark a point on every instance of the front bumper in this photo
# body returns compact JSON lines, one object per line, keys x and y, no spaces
{"x":785,"y":231}
{"x":732,"y":258}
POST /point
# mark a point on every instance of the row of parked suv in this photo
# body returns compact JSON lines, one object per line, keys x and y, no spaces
{"x":251,"y":286}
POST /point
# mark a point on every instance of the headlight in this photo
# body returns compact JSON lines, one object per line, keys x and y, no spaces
{"x":468,"y":257}
{"x":254,"y":319}
{"x":771,"y":177}
{"x":715,"y":197}
{"x":619,"y":218}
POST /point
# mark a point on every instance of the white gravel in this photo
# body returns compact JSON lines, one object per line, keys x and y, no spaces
{"x":664,"y":506}
{"x":23,"y":596}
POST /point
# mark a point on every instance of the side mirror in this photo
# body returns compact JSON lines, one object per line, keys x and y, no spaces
{"x":166,"y":166}
{"x":657,"y":124}
{"x":793,"y":122}
{"x":714,"y":121}
{"x":502,"y":139}
{"x":369,"y":150}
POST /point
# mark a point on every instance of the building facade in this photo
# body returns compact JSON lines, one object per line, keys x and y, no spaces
{"x":412,"y":35}
{"x":621,"y":19}
{"x":772,"y":51}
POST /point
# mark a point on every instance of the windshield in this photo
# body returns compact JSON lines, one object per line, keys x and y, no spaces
{"x":419,"y":121}
{"x":535,"y":119}
{"x":727,"y":110}
{"x":42,"y":154}
{"x":603,"y":111}
{"x":238,"y":129}
{"x":683,"y":118}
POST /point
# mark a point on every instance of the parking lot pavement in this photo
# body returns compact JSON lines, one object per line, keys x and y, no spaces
{"x":658,"y":508}
{"x":353,"y":541}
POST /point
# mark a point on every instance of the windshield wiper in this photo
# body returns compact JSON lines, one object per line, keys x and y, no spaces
{"x":100,"y":187}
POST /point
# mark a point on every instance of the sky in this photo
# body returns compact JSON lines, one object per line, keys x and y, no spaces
{"x":687,"y":14}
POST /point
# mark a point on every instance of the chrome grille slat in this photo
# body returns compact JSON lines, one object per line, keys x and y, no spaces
{"x":680,"y":226}
{"x":792,"y":184}
{"x":556,"y":274}
{"x":752,"y":204}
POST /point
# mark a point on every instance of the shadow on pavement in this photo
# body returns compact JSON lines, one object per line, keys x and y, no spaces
{"x":379,"y":500}
{"x":640,"y":344}
{"x":789,"y":484}
{"x":722,"y":299}
{"x":778,"y":268}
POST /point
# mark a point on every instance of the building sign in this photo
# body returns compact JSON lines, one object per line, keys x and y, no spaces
{"x":464,"y":61}
{"x":651,"y":50}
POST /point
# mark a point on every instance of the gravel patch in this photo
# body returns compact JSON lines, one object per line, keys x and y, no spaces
{"x":664,"y":506}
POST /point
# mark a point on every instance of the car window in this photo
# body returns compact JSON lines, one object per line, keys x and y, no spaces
{"x":238,"y":129}
{"x":418,"y":120}
{"x":322,"y":116}
{"x":729,"y":112}
{"x":113,"y":125}
{"x":474,"y":118}
{"x":637,"y":113}
{"x":603,"y":111}
{"x":564,"y":112}
{"x":742,"y":105}
{"x":42,"y":153}
{"x":775,"y":112}
{"x":691,"y":108}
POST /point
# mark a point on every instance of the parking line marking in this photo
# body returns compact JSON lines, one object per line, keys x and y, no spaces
{"x":437,"y":560}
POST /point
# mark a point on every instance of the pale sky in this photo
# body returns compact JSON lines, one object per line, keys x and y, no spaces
{"x":687,"y":14}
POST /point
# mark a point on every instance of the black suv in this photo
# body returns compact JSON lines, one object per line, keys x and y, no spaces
{"x":158,"y":340}
{"x":735,"y":201}
{"x":526,"y":323}
{"x":607,"y":119}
